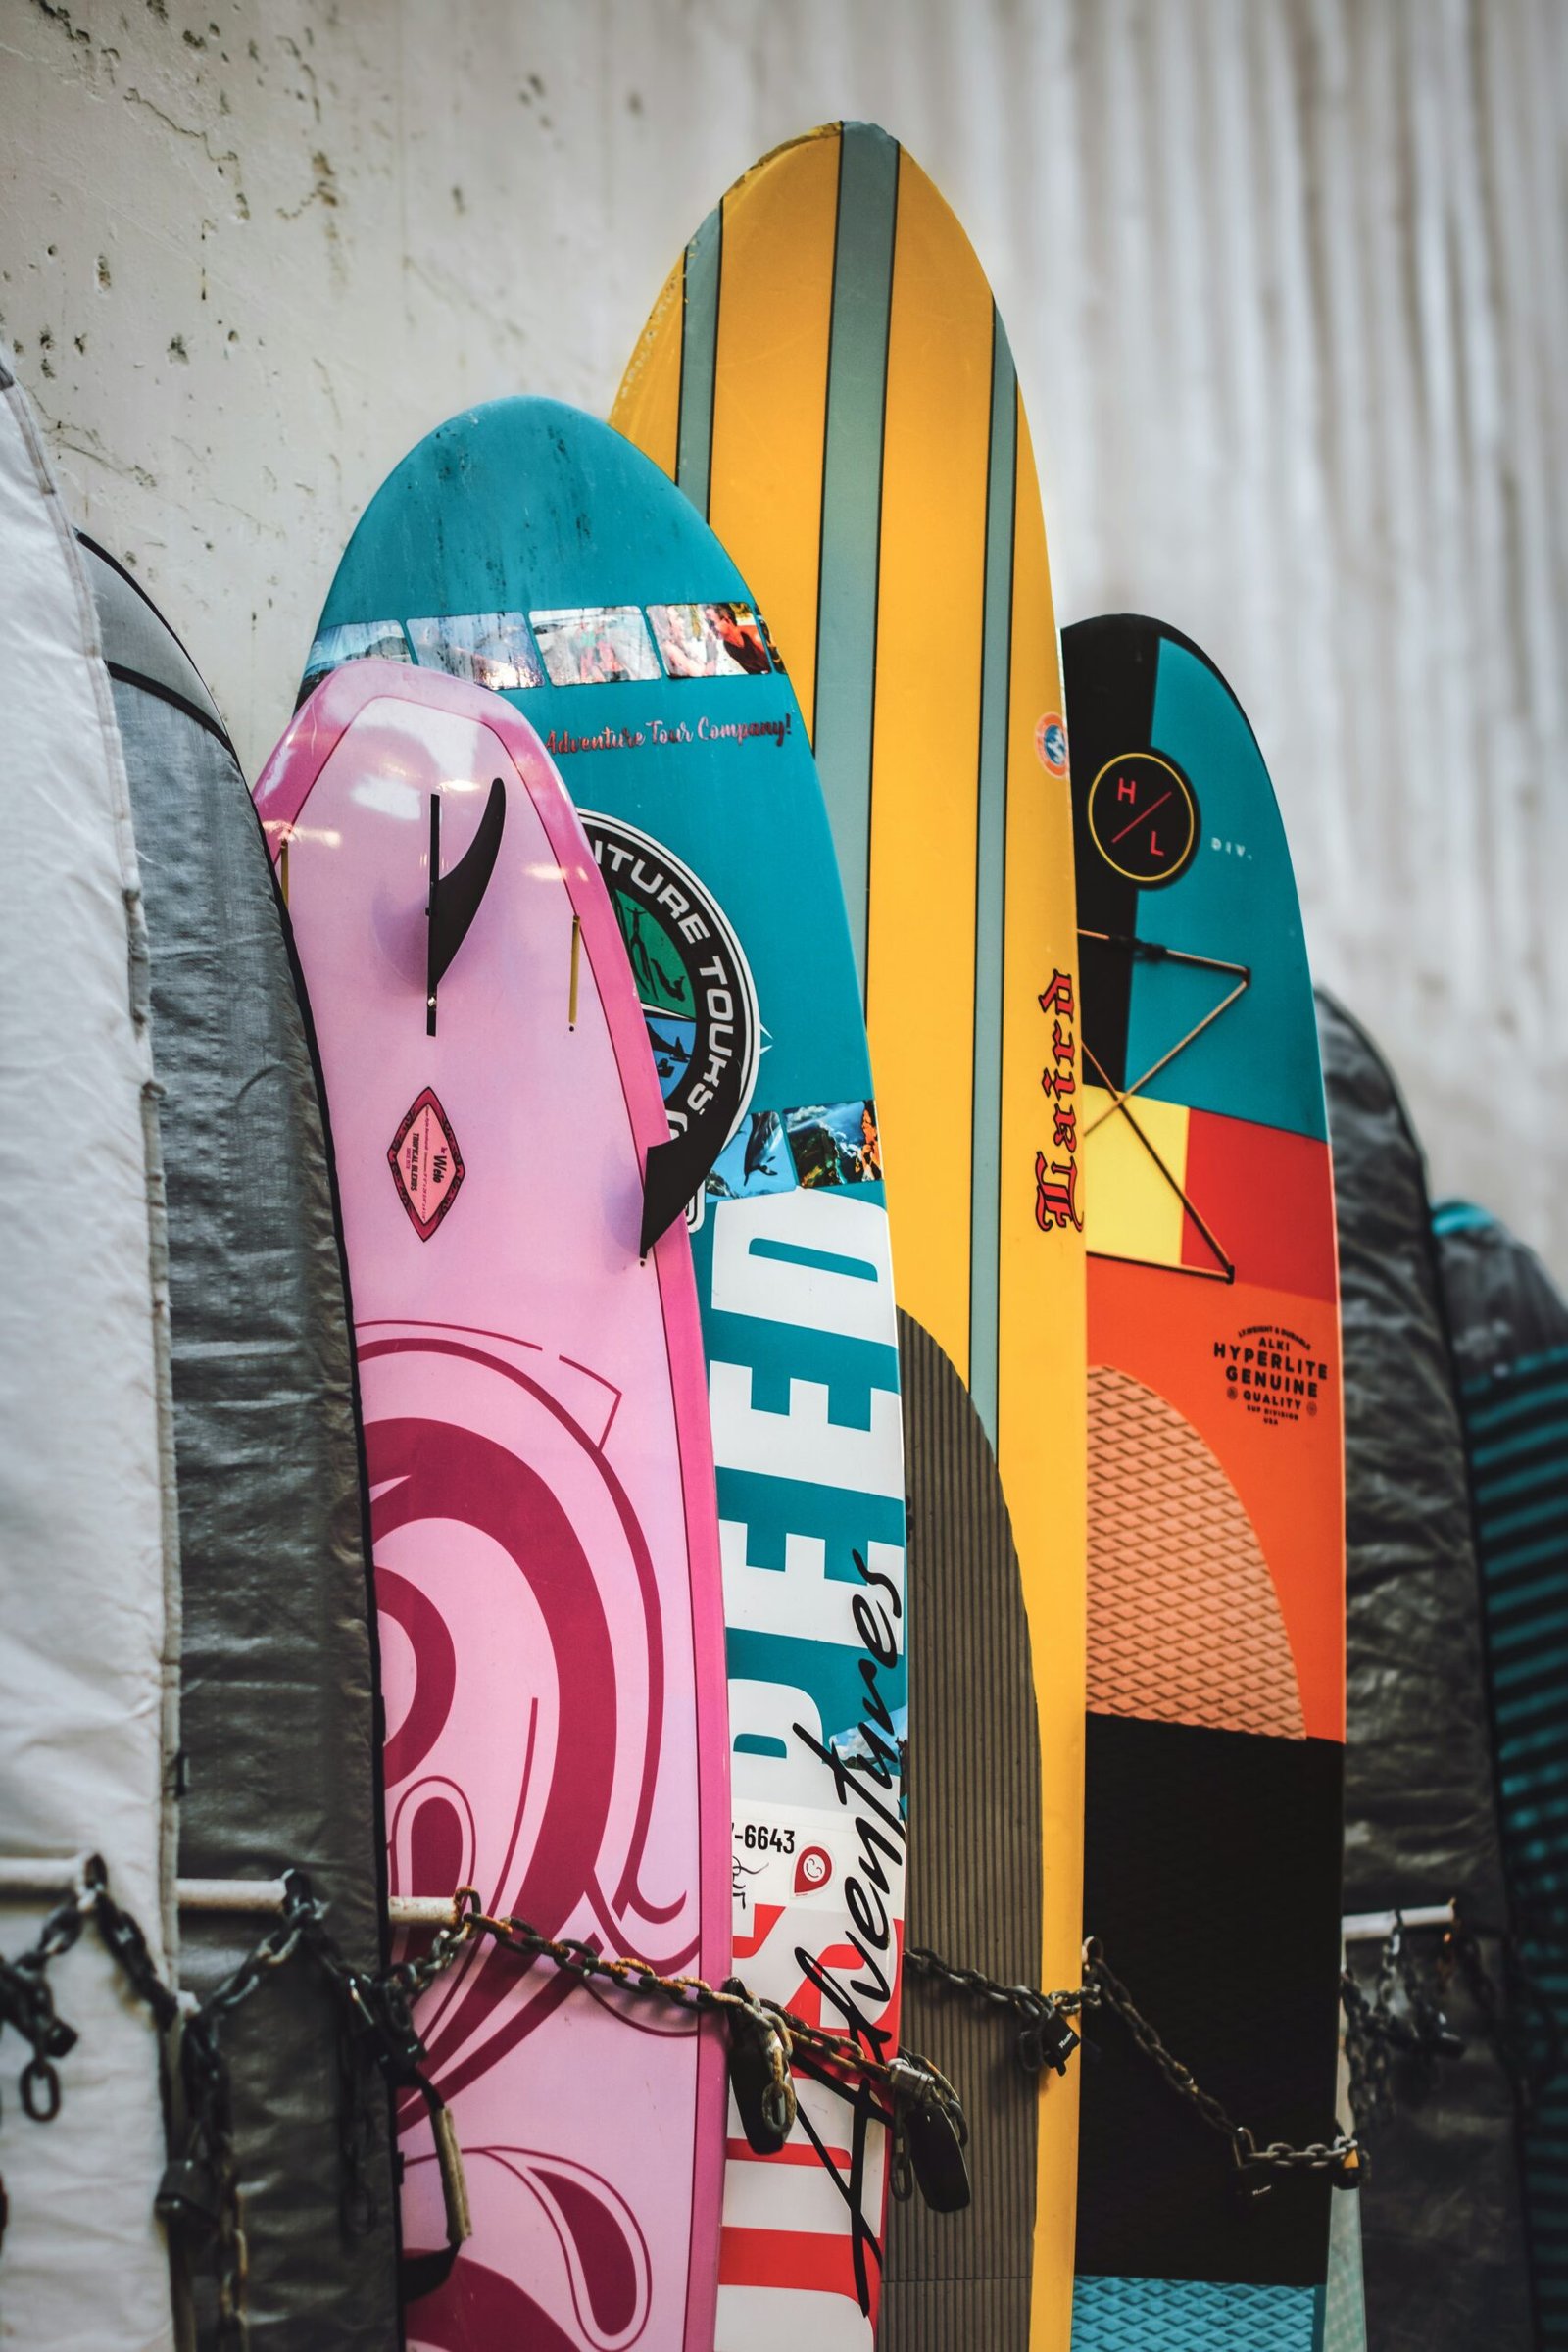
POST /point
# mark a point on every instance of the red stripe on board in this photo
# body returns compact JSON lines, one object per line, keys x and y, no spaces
{"x":1268,"y":1197}
{"x":788,"y":2258}
{"x":741,"y":2151}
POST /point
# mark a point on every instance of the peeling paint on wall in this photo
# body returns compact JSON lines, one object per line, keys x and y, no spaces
{"x":1287,"y":279}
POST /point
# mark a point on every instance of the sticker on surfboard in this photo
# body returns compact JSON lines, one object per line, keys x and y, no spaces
{"x":694,"y":984}
{"x":426,"y":1164}
{"x":1143,"y":818}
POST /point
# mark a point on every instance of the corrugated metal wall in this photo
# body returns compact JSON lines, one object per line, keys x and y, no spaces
{"x":1286,"y":280}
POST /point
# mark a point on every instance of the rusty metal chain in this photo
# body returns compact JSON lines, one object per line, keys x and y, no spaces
{"x":27,"y":2005}
{"x":783,"y":2036}
{"x":1045,"y":2037}
{"x":1343,"y":2157}
{"x":767,"y":2044}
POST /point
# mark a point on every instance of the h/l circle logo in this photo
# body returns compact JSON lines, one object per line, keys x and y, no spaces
{"x":1143,"y":818}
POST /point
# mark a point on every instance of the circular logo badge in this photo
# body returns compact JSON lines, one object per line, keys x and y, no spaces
{"x":1050,"y":742}
{"x":1143,"y":818}
{"x":693,"y":982}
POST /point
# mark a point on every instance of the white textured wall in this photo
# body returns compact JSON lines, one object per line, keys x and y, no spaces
{"x":1287,"y":279}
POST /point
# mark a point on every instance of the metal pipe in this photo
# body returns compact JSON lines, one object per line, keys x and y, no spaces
{"x":41,"y":1880}
{"x":267,"y":1895}
{"x":47,"y":1879}
{"x":1369,"y":1927}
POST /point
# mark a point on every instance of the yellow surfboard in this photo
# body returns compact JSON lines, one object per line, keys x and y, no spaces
{"x":827,"y":376}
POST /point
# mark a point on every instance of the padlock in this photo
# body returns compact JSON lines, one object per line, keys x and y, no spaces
{"x":1046,"y":2039}
{"x":1251,"y":2182}
{"x":933,"y":2133}
{"x":188,"y":2198}
{"x":936,"y":2156}
{"x":753,"y":2081}
{"x":1353,"y":2170}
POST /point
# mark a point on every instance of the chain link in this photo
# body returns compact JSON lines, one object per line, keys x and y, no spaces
{"x":27,"y":2004}
{"x":26,"y":1999}
{"x":201,"y":2189}
{"x":1045,"y":2037}
{"x":1402,"y":2025}
{"x":1401,"y":2021}
{"x":784,"y":2034}
{"x":1342,"y":2156}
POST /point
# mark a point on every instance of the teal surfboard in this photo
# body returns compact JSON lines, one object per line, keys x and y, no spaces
{"x":534,"y":550}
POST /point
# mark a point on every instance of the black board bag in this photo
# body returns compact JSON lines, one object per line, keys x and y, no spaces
{"x":1420,"y":1806}
{"x":960,"y":2281}
{"x":1511,"y":1335}
{"x":280,"y":1755}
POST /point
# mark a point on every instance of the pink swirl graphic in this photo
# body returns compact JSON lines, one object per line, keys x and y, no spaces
{"x":435,"y":1475}
{"x":607,"y":2268}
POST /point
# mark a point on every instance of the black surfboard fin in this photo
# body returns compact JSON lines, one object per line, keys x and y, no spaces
{"x":455,"y":898}
{"x":676,"y":1172}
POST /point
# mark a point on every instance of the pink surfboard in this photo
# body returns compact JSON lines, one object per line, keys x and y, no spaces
{"x":542,"y":1498}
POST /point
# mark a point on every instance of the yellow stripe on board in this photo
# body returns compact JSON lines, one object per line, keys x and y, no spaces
{"x":1041,"y":1345}
{"x":646,"y":407}
{"x":775,"y":304}
{"x":1137,"y":1211}
{"x":925,"y":750}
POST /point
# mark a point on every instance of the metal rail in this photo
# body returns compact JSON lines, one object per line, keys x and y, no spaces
{"x":45,"y":1879}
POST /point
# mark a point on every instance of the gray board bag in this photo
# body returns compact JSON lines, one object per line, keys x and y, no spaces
{"x":281,"y":1752}
{"x":1420,"y":1806}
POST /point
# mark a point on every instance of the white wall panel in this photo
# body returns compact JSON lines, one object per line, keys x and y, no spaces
{"x":1286,"y":280}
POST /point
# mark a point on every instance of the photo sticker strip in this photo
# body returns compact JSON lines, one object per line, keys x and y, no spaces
{"x":711,"y":641}
{"x":354,"y":640}
{"x":820,"y":1144}
{"x":595,"y":645}
{"x":490,"y":649}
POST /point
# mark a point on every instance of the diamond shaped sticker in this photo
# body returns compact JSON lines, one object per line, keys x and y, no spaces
{"x":426,"y":1164}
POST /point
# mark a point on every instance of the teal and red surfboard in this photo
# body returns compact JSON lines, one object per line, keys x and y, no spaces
{"x":1216,"y":1553}
{"x":528,"y":546}
{"x":541,"y":1493}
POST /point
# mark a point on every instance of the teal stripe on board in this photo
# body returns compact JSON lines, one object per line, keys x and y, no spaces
{"x":1551,"y":1470}
{"x":1510,"y":1450}
{"x":852,"y":504}
{"x":1555,"y":1622}
{"x":992,"y":827}
{"x":699,"y":359}
{"x":1191,"y":2315}
{"x":1500,"y":1525}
